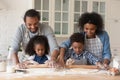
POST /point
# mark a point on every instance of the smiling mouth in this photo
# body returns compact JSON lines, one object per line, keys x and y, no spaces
{"x":33,"y":31}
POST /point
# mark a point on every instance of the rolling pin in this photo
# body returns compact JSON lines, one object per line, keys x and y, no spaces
{"x":68,"y":66}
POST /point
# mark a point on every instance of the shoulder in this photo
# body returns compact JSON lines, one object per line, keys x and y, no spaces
{"x":103,"y":36}
{"x":22,"y":27}
{"x":45,"y":29}
{"x":103,"y":33}
{"x":44,"y":26}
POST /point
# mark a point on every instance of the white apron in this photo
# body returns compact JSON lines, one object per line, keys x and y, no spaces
{"x":94,"y":46}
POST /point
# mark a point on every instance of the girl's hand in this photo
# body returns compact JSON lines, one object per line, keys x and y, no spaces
{"x":70,"y":61}
{"x":30,"y":62}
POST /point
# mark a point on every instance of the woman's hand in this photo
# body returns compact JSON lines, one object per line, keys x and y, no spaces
{"x":70,"y":61}
{"x":102,"y":66}
{"x":114,"y":71}
{"x":106,"y":64}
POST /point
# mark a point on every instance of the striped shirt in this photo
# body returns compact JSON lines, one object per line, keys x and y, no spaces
{"x":89,"y":57}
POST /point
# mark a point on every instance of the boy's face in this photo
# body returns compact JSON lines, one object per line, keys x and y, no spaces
{"x":77,"y":47}
{"x":39,"y":49}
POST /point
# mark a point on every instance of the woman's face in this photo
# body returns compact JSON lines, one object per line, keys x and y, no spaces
{"x":39,"y":49}
{"x":90,"y":30}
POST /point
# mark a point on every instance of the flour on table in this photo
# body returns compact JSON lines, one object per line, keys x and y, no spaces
{"x":52,"y":71}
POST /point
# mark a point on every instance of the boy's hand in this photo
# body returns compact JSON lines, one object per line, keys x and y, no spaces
{"x":70,"y":61}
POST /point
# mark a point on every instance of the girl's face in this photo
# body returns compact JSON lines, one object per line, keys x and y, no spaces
{"x":90,"y":30}
{"x":77,"y":47}
{"x":39,"y":49}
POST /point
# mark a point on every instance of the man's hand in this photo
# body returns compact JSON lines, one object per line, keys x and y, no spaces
{"x":61,"y":61}
{"x":51,"y":63}
{"x":21,"y":66}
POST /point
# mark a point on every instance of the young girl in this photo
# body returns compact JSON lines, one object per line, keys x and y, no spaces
{"x":38,"y":48}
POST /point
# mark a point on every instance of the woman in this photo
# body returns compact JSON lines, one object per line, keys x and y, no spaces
{"x":96,"y":38}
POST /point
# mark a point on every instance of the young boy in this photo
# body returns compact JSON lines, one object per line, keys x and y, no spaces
{"x":77,"y":54}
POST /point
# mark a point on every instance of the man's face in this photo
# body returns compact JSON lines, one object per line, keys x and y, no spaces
{"x":32,"y":23}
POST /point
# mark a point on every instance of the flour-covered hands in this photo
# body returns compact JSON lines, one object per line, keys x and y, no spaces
{"x":51,"y":63}
{"x":102,"y":66}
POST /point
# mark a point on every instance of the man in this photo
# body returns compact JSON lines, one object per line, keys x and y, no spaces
{"x":30,"y":28}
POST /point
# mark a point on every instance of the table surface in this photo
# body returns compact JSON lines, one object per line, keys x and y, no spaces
{"x":65,"y":77}
{"x":15,"y":76}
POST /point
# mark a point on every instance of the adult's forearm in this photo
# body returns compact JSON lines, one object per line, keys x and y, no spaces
{"x":62,"y":52}
{"x":14,"y":58}
{"x":54,"y":55}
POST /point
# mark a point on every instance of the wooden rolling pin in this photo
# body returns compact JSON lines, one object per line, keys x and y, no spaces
{"x":38,"y":66}
{"x":83,"y":66}
{"x":70,"y":66}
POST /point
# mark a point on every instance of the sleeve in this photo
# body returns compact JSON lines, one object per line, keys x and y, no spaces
{"x":51,"y":39}
{"x":16,"y":41}
{"x":92,"y":58}
{"x":31,"y":57}
{"x":106,"y":47}
{"x":65,"y":44}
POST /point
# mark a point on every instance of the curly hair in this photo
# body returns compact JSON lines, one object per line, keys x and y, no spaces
{"x":77,"y":37}
{"x":91,"y":18}
{"x":37,"y":40}
{"x":31,"y":13}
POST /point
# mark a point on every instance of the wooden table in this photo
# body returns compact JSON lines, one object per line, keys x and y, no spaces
{"x":61,"y":77}
{"x":66,"y":77}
